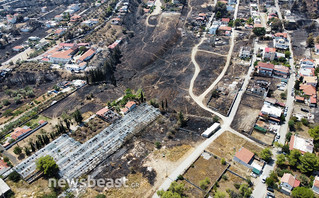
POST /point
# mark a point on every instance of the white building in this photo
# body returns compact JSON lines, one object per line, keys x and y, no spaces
{"x":315,"y":186}
{"x":307,"y":63}
{"x":301,"y":144}
{"x":271,"y":111}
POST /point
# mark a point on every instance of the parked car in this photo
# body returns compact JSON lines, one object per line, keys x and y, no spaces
{"x":305,"y":110}
{"x":253,"y":175}
{"x":263,"y":180}
{"x":270,"y":194}
{"x":270,"y":189}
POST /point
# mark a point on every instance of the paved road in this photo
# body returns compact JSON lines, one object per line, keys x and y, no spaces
{"x":260,"y":188}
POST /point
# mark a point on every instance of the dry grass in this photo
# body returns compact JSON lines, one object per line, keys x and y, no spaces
{"x":131,"y":191}
{"x":227,"y":144}
{"x":202,"y":168}
{"x":266,"y":138}
{"x":229,"y":183}
{"x":175,"y":153}
{"x":23,"y":189}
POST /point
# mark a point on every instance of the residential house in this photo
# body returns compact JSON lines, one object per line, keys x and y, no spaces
{"x":307,"y":63}
{"x":18,"y":132}
{"x":75,"y":18}
{"x":123,"y":9}
{"x":265,"y":69}
{"x":271,"y":111}
{"x":313,"y":101}
{"x":300,"y":99}
{"x":306,"y":72}
{"x":225,"y":21}
{"x":301,"y":144}
{"x":310,"y":80}
{"x":107,"y":114}
{"x":280,"y":35}
{"x":76,"y":67}
{"x":62,"y":56}
{"x":269,"y":54}
{"x":74,"y":7}
{"x":90,"y":22}
{"x":281,"y":44}
{"x":60,"y":31}
{"x":87,"y":55}
{"x":44,"y":9}
{"x":247,"y":158}
{"x":50,"y":24}
{"x":130,"y":105}
{"x":150,"y":3}
{"x":315,"y":186}
{"x":11,"y":19}
{"x":116,"y":21}
{"x":308,"y":90}
{"x":67,"y":46}
{"x":281,"y":71}
{"x":58,"y":18}
{"x":225,"y":30}
{"x":18,"y":48}
{"x":3,"y":167}
{"x":317,"y":48}
{"x":288,"y":182}
{"x":245,"y":52}
{"x":213,"y":29}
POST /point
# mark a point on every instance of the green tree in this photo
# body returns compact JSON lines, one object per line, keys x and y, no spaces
{"x":237,"y":22}
{"x":259,"y":31}
{"x":266,"y":154}
{"x":17,"y":150}
{"x":48,"y":166}
{"x":223,"y":161}
{"x":158,"y":145}
{"x":302,"y":192}
{"x":291,"y":125}
{"x":308,"y":162}
{"x":100,"y":196}
{"x":293,"y":157}
{"x":219,"y":194}
{"x":78,"y":116}
{"x":14,"y":176}
{"x":287,"y":54}
{"x":314,"y":133}
{"x":203,"y":184}
{"x":281,"y":159}
{"x":245,"y":191}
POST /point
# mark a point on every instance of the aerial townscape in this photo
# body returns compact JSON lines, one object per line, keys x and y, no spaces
{"x":159,"y":98}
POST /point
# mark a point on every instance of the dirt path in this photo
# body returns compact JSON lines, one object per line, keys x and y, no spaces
{"x":212,"y":52}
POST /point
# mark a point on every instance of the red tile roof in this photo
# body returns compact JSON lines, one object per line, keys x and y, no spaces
{"x":130,"y":104}
{"x":225,"y":20}
{"x":269,"y":49}
{"x":18,"y":132}
{"x":3,"y":165}
{"x":245,"y":155}
{"x":292,"y":142}
{"x":202,"y":14}
{"x":313,"y":99}
{"x":281,"y":35}
{"x":87,"y":54}
{"x":266,"y":65}
{"x":225,"y":28}
{"x":288,"y":178}
{"x":256,"y":25}
{"x":102,"y":111}
{"x":42,"y":122}
{"x":300,"y":98}
{"x":309,"y":90}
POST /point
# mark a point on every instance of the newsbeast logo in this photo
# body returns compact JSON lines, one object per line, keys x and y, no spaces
{"x":90,"y":183}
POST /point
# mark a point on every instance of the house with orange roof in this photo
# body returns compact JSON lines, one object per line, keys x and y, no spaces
{"x":87,"y":55}
{"x":308,"y":90}
{"x":115,"y":21}
{"x":3,"y":167}
{"x":18,"y":48}
{"x":256,"y":25}
{"x":62,"y":56}
{"x":107,"y":114}
{"x":18,"y":132}
{"x":269,"y":53}
{"x":315,"y":186}
{"x":300,"y":99}
{"x":225,"y":21}
{"x":288,"y":182}
{"x":247,"y":158}
{"x":130,"y":105}
{"x":60,"y":31}
{"x":75,"y":18}
{"x":265,"y":69}
{"x":58,"y":18}
{"x":310,"y":80}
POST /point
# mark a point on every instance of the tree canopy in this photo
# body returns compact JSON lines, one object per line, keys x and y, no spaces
{"x":293,"y":157}
{"x":266,"y":154}
{"x":308,"y":162}
{"x":259,"y":31}
{"x":48,"y":166}
{"x":302,"y":192}
{"x":314,"y":133}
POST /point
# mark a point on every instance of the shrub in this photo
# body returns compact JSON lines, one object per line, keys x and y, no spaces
{"x":223,"y":161}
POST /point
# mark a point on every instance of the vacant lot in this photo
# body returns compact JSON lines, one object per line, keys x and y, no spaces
{"x":267,"y":138}
{"x":247,"y":113}
{"x":205,"y":166}
{"x":227,"y":144}
{"x":228,"y":183}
